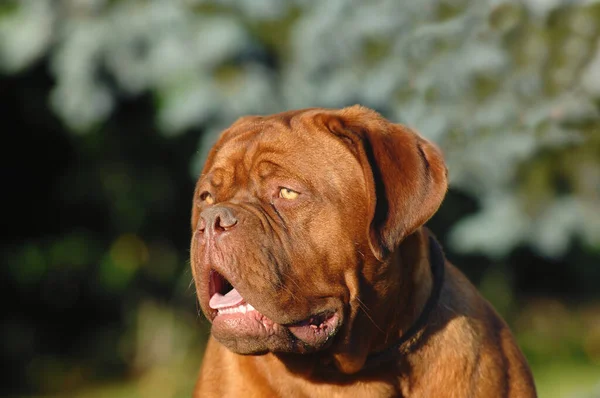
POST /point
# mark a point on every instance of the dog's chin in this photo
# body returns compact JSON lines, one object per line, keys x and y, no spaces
{"x":244,"y":330}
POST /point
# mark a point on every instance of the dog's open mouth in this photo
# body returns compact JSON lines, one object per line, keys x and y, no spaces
{"x":225,"y":298}
{"x":230,"y":308}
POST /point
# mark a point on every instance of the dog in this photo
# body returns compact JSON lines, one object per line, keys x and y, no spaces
{"x":311,"y":261}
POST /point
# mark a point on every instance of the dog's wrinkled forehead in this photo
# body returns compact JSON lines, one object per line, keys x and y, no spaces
{"x":264,"y":148}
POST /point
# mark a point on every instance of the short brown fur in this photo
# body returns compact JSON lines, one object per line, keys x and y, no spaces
{"x":354,"y":243}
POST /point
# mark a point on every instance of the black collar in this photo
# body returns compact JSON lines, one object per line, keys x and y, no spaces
{"x":436,"y":261}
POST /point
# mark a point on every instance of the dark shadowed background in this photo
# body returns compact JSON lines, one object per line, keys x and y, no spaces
{"x":109,"y":106}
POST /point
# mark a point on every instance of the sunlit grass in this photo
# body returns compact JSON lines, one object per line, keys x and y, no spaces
{"x":567,"y":380}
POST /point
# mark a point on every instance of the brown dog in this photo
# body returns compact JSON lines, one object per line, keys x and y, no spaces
{"x":310,"y":260}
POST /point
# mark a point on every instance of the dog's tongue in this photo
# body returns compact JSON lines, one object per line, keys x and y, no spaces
{"x":231,"y":299}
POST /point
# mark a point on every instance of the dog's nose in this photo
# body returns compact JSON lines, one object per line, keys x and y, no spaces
{"x":216,"y":220}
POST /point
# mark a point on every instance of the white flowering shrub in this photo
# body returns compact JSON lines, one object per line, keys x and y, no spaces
{"x":509,"y":89}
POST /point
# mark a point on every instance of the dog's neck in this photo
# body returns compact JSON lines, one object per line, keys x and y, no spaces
{"x":411,"y":280}
{"x":427,"y":260}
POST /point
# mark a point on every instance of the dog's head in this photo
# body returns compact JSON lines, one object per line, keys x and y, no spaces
{"x":295,"y":217}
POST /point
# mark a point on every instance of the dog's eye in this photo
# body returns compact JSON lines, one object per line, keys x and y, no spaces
{"x":207,"y":198}
{"x":288,"y":194}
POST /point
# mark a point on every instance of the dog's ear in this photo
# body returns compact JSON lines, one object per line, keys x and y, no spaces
{"x":405,"y":174}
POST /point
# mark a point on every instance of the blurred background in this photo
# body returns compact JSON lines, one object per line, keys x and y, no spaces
{"x":109,"y":107}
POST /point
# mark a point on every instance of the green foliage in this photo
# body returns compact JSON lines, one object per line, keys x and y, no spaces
{"x":496,"y":84}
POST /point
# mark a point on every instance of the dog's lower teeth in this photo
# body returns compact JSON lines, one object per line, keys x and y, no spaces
{"x":242,"y":309}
